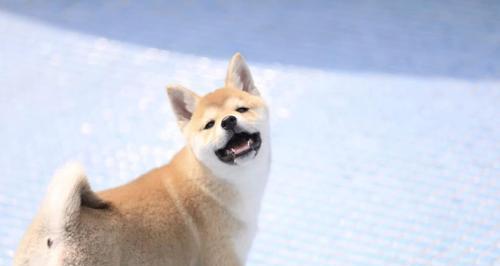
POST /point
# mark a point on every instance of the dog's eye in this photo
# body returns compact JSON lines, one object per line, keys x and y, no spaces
{"x":209,"y":124}
{"x":242,"y":109}
{"x":49,"y":242}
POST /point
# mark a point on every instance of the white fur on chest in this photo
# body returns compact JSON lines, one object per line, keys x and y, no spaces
{"x":250,"y":182}
{"x":251,"y":188}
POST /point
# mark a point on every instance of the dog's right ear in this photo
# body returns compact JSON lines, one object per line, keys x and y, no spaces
{"x":183,"y":103}
{"x":238,"y":75}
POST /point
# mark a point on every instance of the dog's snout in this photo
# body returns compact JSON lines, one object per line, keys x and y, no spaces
{"x":229,"y":122}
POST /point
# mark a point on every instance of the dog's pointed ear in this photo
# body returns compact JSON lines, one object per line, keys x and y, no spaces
{"x":238,"y":75}
{"x":183,"y":103}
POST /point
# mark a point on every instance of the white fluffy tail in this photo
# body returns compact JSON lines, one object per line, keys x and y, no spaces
{"x":67,"y":192}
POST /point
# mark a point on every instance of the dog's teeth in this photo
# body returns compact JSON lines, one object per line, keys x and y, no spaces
{"x":239,"y":149}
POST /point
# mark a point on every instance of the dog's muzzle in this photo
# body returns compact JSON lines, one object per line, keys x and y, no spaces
{"x":239,"y":145}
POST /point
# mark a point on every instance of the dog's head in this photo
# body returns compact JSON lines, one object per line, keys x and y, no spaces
{"x":227,"y":127}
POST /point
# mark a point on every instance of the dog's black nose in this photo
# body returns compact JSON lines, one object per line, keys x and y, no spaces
{"x":229,"y":122}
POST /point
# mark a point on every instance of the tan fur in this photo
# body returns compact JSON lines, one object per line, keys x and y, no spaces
{"x":178,"y":214}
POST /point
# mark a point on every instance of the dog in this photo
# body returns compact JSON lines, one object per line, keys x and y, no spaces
{"x":199,"y":209}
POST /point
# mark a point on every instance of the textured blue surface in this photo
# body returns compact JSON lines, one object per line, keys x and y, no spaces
{"x":389,"y":155}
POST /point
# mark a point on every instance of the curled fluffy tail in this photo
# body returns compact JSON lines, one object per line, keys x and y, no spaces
{"x":68,"y":191}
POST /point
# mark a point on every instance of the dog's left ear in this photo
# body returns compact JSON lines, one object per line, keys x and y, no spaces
{"x":183,"y":103}
{"x":239,"y":76}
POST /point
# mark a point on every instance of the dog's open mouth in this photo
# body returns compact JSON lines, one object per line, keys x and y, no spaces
{"x":239,"y":145}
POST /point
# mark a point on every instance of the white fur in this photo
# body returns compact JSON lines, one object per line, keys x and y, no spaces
{"x":56,"y":256}
{"x":64,"y":195}
{"x":251,"y":184}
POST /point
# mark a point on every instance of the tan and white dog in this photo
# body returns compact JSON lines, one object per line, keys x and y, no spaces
{"x":200,"y":209}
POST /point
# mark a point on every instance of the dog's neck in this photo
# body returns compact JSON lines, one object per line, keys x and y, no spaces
{"x":247,"y":182}
{"x":239,"y":189}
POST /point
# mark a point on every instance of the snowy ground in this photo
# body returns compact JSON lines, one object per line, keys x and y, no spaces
{"x":390,"y":158}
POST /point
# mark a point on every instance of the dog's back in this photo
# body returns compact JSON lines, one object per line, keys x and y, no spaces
{"x":161,"y":218}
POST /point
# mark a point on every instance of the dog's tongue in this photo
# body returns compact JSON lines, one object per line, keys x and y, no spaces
{"x":241,"y":147}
